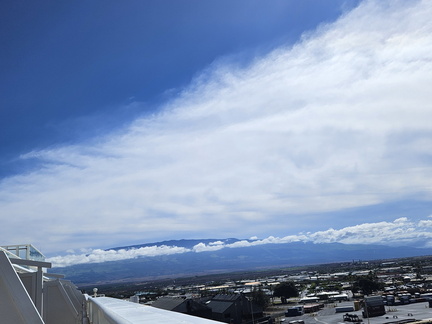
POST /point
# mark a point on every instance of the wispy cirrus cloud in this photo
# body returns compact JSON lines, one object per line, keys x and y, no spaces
{"x":340,"y":120}
{"x":399,"y":232}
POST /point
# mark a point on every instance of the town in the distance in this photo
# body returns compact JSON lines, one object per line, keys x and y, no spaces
{"x":377,"y":291}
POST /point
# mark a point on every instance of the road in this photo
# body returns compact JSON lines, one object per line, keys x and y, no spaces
{"x":328,"y":315}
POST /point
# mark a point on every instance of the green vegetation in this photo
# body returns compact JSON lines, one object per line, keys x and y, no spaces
{"x":367,"y":284}
{"x":260,"y":298}
{"x":285,"y":290}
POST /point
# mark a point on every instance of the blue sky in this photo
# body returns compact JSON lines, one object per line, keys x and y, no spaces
{"x":140,"y":121}
{"x":67,"y":66}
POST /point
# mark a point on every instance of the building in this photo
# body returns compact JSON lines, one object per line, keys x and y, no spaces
{"x":183,"y":305}
{"x":373,"y":306}
{"x":30,"y":295}
{"x":233,"y":308}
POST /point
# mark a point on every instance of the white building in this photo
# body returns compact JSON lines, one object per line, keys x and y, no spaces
{"x":29,"y":295}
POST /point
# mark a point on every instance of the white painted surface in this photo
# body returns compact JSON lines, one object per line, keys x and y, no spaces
{"x":16,"y":306}
{"x":105,"y":310}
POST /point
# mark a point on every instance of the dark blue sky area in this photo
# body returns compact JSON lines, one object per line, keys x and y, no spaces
{"x":70,"y":68}
{"x":325,"y":143}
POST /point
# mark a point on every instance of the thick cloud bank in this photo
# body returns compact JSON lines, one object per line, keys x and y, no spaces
{"x":399,"y":232}
{"x":340,"y":120}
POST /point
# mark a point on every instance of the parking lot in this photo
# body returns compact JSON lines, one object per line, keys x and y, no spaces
{"x":328,"y":315}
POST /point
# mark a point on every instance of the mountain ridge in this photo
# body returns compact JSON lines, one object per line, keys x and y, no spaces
{"x":264,"y":256}
{"x":186,"y":243}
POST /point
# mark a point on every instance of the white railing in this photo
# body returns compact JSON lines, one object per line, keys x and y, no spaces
{"x":23,"y":301}
{"x":16,"y":305}
{"x":106,"y":310}
{"x":28,"y":296}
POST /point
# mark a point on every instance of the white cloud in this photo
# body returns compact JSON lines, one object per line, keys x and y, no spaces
{"x":216,"y":243}
{"x":340,"y":120}
{"x":202,"y":247}
{"x":425,"y":223}
{"x":400,"y":232}
{"x":98,"y":255}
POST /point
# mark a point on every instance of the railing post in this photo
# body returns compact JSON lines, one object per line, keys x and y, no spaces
{"x":38,"y":296}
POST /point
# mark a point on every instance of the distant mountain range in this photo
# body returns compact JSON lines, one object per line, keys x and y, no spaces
{"x":189,"y":244}
{"x":227,"y":260}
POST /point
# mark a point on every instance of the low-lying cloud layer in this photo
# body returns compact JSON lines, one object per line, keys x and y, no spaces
{"x":340,"y":120}
{"x":400,"y":232}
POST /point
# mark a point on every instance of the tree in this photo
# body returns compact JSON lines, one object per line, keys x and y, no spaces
{"x":312,"y":287}
{"x":418,"y":268}
{"x":260,"y":298}
{"x":285,"y":290}
{"x":367,"y":284}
